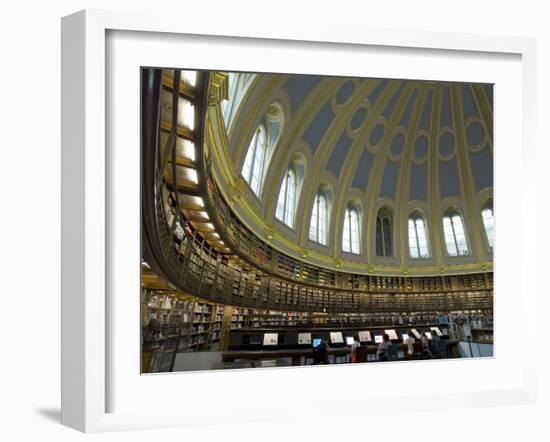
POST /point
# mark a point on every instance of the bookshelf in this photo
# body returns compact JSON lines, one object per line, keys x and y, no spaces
{"x":279,"y":282}
{"x":275,"y":318}
{"x":196,"y":322}
{"x":239,"y":318}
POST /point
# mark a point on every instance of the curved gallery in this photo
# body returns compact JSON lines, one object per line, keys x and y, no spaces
{"x":300,"y":219}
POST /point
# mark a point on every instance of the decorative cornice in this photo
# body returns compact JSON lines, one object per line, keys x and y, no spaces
{"x":219,"y":88}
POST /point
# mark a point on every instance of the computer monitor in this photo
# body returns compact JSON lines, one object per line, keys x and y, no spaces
{"x":364,"y":336}
{"x":428,"y":335}
{"x":316,"y":342}
{"x":405,"y":336}
{"x":349,"y":340}
{"x":378,"y":339}
{"x":304,"y":338}
{"x":270,"y":338}
{"x":336,"y":338}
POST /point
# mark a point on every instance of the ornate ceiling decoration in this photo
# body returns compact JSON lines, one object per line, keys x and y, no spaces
{"x":402,"y":145}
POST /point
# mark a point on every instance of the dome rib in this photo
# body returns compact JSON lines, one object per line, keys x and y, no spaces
{"x":353,"y":158}
{"x":466,"y":180}
{"x":312,"y":182}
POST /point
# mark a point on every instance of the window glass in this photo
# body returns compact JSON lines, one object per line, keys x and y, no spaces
{"x":455,"y":238}
{"x":319,"y":220}
{"x":254,"y":163}
{"x":488,"y":222}
{"x":350,"y":235}
{"x":286,"y":203}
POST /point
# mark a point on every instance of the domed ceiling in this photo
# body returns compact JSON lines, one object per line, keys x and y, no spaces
{"x":398,"y":145}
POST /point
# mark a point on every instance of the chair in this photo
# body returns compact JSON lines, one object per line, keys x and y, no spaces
{"x":417,"y":350}
{"x":392,"y":352}
{"x":361,"y":354}
{"x":442,"y":348}
{"x":343,"y":356}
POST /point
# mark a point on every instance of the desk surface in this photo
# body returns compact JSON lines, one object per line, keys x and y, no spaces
{"x":281,"y":353}
{"x":296,"y":352}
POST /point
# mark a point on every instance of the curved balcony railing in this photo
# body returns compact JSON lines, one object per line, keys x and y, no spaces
{"x":218,"y":258}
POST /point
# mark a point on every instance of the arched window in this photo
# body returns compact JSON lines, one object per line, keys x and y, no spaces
{"x":254,"y":163}
{"x":489,"y":223}
{"x":319,"y":219}
{"x":262,"y":145}
{"x":237,"y":87}
{"x":350,"y":235}
{"x":455,"y":239}
{"x":418,"y":238}
{"x":286,"y":204}
{"x":383,"y":233}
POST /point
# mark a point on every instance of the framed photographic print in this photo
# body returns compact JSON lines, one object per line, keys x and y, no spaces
{"x":220,"y":207}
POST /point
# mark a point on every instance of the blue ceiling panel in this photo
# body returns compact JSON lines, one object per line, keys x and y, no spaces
{"x":426,"y":114}
{"x":448,"y":178}
{"x":318,"y":126}
{"x":362,"y":173}
{"x":388,"y":110}
{"x":339,"y":154}
{"x":419,"y":181}
{"x":468,"y":103}
{"x":373,"y":96}
{"x":446,"y":117}
{"x":389,"y":180}
{"x":482,"y":168}
{"x":298,"y":88}
{"x":446,"y":144}
{"x":406,"y":116}
{"x":345,"y":91}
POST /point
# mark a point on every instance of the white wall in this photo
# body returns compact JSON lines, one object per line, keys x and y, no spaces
{"x":30,"y":221}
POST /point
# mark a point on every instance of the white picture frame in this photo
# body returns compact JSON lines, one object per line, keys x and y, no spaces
{"x":90,"y":319}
